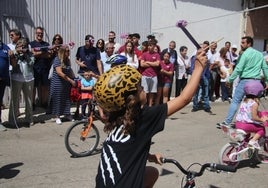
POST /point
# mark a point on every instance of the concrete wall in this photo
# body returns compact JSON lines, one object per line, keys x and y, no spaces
{"x":208,"y":20}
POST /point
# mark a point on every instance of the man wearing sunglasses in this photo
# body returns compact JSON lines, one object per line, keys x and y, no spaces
{"x":42,"y":65}
{"x":88,"y":57}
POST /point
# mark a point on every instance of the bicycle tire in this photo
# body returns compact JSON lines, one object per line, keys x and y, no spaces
{"x":78,"y":147}
{"x":225,"y":151}
{"x":262,"y":154}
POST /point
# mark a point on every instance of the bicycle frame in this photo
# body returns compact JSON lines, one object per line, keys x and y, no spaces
{"x":87,"y":128}
{"x":85,"y":131}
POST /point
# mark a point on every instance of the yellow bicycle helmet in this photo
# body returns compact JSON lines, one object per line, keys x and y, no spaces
{"x":114,"y":86}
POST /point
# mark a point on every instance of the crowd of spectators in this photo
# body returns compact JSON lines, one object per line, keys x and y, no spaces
{"x":43,"y":71}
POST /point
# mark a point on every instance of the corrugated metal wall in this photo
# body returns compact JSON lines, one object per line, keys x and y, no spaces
{"x":73,"y":19}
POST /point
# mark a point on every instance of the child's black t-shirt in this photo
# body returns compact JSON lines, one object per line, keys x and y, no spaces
{"x":124,"y":157}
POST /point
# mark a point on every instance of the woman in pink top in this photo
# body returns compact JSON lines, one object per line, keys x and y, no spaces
{"x":165,"y":74}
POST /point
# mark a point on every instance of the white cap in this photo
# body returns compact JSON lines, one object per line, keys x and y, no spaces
{"x":234,"y":46}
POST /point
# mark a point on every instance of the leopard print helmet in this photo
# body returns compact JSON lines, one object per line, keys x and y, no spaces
{"x":114,"y":86}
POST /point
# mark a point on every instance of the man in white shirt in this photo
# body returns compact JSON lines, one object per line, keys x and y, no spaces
{"x":108,"y":52}
{"x":111,"y":39}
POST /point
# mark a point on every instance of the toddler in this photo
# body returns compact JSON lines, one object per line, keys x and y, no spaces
{"x":247,"y":117}
{"x":87,"y":84}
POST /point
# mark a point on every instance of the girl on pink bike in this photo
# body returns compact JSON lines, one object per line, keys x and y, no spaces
{"x":247,"y":117}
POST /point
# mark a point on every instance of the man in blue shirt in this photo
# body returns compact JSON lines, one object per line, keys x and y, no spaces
{"x":4,"y":76}
{"x":203,"y":86}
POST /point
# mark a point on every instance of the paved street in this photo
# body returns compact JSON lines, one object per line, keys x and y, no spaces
{"x":36,"y":156}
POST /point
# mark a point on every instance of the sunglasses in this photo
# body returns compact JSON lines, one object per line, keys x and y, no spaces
{"x":11,"y":35}
{"x":90,"y":40}
{"x":39,"y":33}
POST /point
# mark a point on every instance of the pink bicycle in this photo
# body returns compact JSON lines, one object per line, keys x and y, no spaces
{"x":238,"y":149}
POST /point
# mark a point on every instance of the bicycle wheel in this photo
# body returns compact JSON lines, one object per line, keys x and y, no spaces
{"x":262,"y":154}
{"x":226,"y":150}
{"x":77,"y":146}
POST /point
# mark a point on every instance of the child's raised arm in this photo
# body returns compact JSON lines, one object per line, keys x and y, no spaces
{"x":190,"y":89}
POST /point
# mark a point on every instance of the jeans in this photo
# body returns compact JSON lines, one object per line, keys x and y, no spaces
{"x":224,"y":92}
{"x":237,"y":98}
{"x":204,"y":85}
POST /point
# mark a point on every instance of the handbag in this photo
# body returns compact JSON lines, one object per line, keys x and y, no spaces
{"x":50,"y":73}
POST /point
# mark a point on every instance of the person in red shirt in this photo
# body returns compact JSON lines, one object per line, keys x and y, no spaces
{"x":150,"y":62}
{"x":165,"y":73}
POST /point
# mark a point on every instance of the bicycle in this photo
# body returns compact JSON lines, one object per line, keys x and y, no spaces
{"x":238,"y":149}
{"x":82,"y":137}
{"x":191,"y":175}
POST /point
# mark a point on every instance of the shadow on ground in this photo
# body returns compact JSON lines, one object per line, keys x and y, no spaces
{"x":9,"y":171}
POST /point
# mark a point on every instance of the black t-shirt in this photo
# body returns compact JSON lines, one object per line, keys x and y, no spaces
{"x":41,"y":64}
{"x":124,"y":157}
{"x":90,"y":57}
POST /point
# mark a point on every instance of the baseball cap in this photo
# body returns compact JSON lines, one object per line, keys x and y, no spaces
{"x":234,"y":46}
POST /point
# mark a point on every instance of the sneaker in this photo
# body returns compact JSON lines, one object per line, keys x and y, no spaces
{"x":219,"y":125}
{"x":194,"y":110}
{"x":218,"y":100}
{"x":208,"y":111}
{"x":58,"y":121}
{"x":69,"y":117}
{"x":84,"y":117}
{"x":29,"y":124}
{"x":254,"y":144}
{"x":2,"y":127}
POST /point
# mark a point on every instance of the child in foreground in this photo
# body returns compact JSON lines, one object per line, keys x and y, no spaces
{"x":247,"y":117}
{"x":131,"y":125}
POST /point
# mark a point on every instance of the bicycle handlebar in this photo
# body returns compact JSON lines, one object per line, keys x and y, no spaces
{"x":225,"y":168}
{"x":212,"y":166}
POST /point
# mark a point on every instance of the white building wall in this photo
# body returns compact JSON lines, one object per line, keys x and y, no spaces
{"x":207,"y":20}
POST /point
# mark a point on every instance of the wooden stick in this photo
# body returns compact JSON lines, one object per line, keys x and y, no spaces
{"x":214,"y":42}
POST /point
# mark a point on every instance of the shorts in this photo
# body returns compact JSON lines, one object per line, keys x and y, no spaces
{"x":41,"y":78}
{"x":149,"y":84}
{"x":168,"y":85}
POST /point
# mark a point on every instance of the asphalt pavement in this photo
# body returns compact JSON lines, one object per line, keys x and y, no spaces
{"x":36,"y":156}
